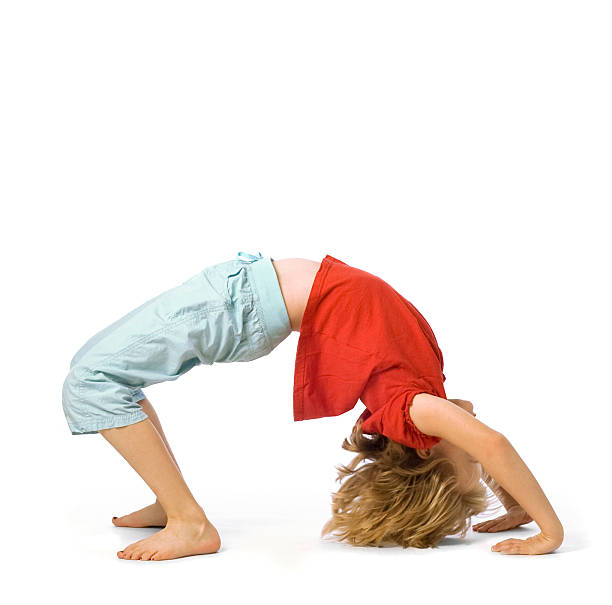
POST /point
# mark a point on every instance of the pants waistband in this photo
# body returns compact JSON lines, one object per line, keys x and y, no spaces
{"x":271,"y":303}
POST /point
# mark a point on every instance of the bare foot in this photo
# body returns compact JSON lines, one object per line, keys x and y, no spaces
{"x":177,"y":539}
{"x":149,"y":516}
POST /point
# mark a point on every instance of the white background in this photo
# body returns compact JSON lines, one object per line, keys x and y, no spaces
{"x":459,"y":150}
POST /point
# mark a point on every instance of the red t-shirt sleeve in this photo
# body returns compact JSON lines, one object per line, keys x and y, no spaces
{"x":393,"y":420}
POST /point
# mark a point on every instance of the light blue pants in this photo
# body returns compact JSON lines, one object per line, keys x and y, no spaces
{"x":231,"y":311}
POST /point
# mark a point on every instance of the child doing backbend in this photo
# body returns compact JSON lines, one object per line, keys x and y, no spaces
{"x":424,"y":455}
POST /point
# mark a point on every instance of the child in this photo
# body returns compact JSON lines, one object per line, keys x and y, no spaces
{"x":359,"y":340}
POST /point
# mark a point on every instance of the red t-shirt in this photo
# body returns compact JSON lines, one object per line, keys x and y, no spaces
{"x":360,"y":339}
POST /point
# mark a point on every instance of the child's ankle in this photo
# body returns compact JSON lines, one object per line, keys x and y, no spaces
{"x":191,"y":516}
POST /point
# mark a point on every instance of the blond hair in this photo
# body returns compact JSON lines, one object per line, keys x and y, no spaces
{"x":399,"y":498}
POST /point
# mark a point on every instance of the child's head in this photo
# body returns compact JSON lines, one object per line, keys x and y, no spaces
{"x":404,"y":496}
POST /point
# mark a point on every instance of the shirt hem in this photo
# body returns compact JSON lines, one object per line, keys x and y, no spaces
{"x":305,"y":332}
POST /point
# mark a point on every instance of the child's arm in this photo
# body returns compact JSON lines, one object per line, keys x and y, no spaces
{"x":514,"y":516}
{"x":434,"y":416}
{"x":503,"y":496}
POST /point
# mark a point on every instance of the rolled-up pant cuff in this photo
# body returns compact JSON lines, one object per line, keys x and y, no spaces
{"x":107,"y":423}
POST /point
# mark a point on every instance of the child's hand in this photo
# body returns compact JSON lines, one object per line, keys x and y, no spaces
{"x":536,"y":545}
{"x":468,"y":406}
{"x":513,"y":518}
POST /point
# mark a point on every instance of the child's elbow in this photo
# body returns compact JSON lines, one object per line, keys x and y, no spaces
{"x":496,"y":442}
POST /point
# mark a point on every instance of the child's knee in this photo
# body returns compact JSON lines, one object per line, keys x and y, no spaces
{"x":92,"y":401}
{"x":72,"y":402}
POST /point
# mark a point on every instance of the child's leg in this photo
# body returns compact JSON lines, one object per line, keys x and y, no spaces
{"x":188,"y":531}
{"x":231,"y":311}
{"x":154,"y":418}
{"x":153,"y":515}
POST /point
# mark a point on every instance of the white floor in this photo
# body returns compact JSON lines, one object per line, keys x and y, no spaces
{"x":271,"y":552}
{"x":269,"y":557}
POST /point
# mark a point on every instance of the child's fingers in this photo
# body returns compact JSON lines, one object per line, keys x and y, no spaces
{"x":492,"y":525}
{"x":489,"y":528}
{"x":481,"y":526}
{"x":535,"y":545}
{"x":507,"y":521}
{"x":514,"y":546}
{"x":511,"y":545}
{"x":486,"y":523}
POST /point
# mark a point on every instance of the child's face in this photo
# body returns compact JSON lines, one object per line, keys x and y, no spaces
{"x":469,"y":470}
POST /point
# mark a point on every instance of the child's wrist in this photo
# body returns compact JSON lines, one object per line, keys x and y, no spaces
{"x":517,"y":509}
{"x":553,"y":530}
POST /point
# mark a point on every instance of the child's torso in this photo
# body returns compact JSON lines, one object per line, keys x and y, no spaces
{"x":295,"y":277}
